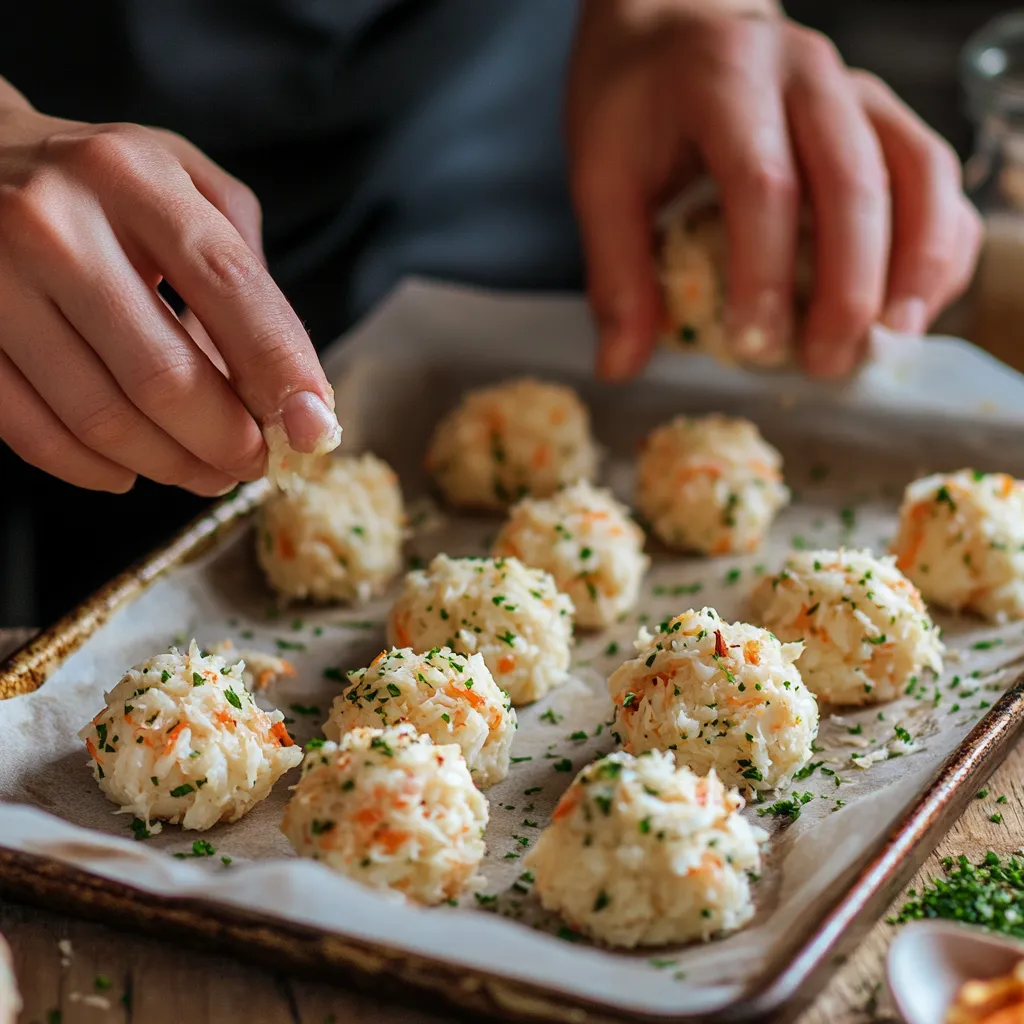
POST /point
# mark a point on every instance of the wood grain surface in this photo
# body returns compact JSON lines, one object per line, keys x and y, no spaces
{"x":89,"y":974}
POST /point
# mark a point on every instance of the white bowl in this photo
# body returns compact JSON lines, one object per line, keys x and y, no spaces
{"x":929,"y":960}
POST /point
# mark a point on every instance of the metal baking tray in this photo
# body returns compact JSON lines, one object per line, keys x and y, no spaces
{"x":827,"y":876}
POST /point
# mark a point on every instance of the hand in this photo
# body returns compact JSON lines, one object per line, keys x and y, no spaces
{"x":99,"y":381}
{"x":661,"y":88}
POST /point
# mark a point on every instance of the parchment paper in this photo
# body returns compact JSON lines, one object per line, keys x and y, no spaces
{"x":848,"y":453}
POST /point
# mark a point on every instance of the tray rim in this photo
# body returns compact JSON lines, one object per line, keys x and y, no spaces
{"x":789,"y":981}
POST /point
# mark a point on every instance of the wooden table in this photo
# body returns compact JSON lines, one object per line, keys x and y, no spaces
{"x":157,"y":983}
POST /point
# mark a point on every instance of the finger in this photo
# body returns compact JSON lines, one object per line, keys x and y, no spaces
{"x":69,"y":377}
{"x":743,"y":137}
{"x":924,"y":177}
{"x":149,"y":353}
{"x":969,"y":239}
{"x":846,"y":178}
{"x":35,"y":434}
{"x":232,"y":197}
{"x":273,"y":365}
{"x":615,"y":225}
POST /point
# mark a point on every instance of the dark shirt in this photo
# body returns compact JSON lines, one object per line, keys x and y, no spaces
{"x":383,"y":137}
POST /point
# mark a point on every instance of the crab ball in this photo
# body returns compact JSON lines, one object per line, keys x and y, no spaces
{"x":589,"y":544}
{"x":865,"y":629}
{"x":337,"y":536}
{"x":391,"y":810}
{"x":640,"y":852}
{"x":517,"y":438}
{"x":710,"y":484}
{"x":961,"y":540}
{"x":512,"y":615}
{"x":450,"y":697}
{"x":694,"y":280}
{"x":287,"y":468}
{"x":182,"y":740}
{"x":725,"y":696}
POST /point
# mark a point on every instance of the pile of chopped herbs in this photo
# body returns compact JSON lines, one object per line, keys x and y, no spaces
{"x":989,"y":893}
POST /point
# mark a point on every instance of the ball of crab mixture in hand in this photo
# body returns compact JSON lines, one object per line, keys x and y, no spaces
{"x":391,"y":810}
{"x":710,"y":484}
{"x":182,"y":740}
{"x":512,"y":615}
{"x":452,"y":698}
{"x":642,"y":853}
{"x":504,"y":442}
{"x":865,"y":629}
{"x":589,"y":544}
{"x":694,"y":278}
{"x":335,"y":536}
{"x":961,"y":540}
{"x":724,"y":696}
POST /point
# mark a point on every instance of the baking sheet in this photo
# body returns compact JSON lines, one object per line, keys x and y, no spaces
{"x":848,"y":453}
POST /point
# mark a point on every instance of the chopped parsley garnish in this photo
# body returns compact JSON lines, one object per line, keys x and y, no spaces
{"x":787,"y":808}
{"x":551,"y":716}
{"x":519,"y":760}
{"x":565,"y":765}
{"x":612,"y":648}
{"x":986,"y":645}
{"x":334,"y":674}
{"x":183,"y":790}
{"x":139,"y":830}
{"x":989,"y":893}
{"x":902,"y":734}
{"x":808,"y":770}
{"x":289,"y":645}
{"x":200,"y":848}
{"x":318,"y":828}
{"x":197,"y":679}
{"x":233,"y":699}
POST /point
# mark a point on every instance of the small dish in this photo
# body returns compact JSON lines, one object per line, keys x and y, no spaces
{"x":929,"y":961}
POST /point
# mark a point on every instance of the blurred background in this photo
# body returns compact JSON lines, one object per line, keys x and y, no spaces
{"x":58,"y":544}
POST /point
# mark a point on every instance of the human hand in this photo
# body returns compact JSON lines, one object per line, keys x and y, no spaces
{"x":661,"y":89}
{"x":99,"y":381}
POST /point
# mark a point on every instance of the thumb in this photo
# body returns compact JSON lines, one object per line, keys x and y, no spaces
{"x":616,"y":227}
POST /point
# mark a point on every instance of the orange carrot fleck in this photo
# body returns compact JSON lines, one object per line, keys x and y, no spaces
{"x":280,"y":733}
{"x":285,"y":547}
{"x":720,"y":649}
{"x":506,"y":663}
{"x":93,"y":752}
{"x":569,"y":802}
{"x":172,"y":737}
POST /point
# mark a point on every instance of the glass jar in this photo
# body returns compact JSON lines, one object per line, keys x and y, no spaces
{"x":992,"y":74}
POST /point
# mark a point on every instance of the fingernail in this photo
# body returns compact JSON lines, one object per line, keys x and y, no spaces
{"x":907,"y":316}
{"x":761,"y":335}
{"x":310,"y":425}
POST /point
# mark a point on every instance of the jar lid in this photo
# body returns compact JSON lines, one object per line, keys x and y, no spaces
{"x":992,"y":68}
